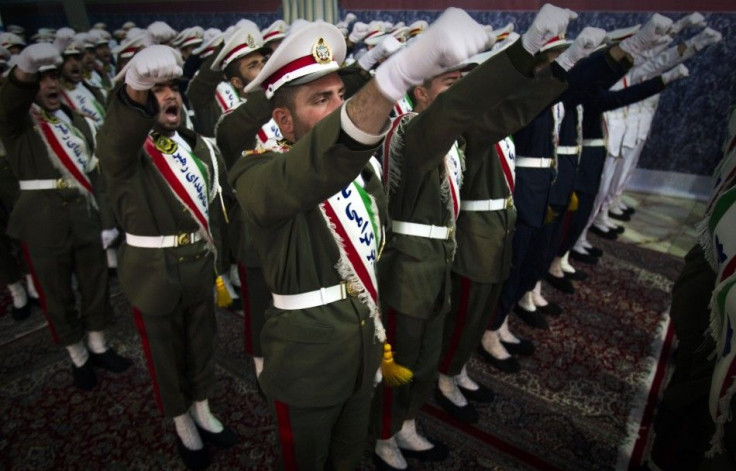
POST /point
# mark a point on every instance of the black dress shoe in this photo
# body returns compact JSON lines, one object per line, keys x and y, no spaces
{"x":618,"y":230}
{"x":619,"y":217}
{"x":551,"y":309}
{"x":482,"y":395}
{"x":583,"y":257}
{"x":509,"y":365}
{"x":437,"y":453}
{"x":595,"y":251}
{"x":532,"y":318}
{"x":224,"y":439}
{"x":524,"y":347}
{"x":21,"y":313}
{"x":236,"y":305}
{"x":560,"y":284}
{"x":610,"y":235}
{"x":383,"y":466}
{"x":466,"y":414}
{"x":578,"y":275}
{"x":629,"y":211}
{"x":193,"y":459}
{"x":84,"y":376}
{"x":110,"y":361}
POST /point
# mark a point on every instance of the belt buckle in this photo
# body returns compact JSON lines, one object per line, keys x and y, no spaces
{"x":509,"y":202}
{"x":552,"y":162}
{"x":62,"y":184}
{"x":450,"y":232}
{"x":348,"y":288}
{"x":183,"y":239}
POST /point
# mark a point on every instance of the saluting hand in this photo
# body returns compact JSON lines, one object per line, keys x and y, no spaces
{"x":154,"y":64}
{"x":586,"y":42}
{"x":657,"y":26}
{"x":551,"y":21}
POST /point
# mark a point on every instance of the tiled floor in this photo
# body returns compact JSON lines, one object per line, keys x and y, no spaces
{"x":662,"y":223}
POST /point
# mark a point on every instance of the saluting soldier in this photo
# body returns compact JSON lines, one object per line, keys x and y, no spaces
{"x":163,"y":181}
{"x":50,"y":148}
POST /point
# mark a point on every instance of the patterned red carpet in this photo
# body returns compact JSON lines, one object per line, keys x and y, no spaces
{"x":576,"y":404}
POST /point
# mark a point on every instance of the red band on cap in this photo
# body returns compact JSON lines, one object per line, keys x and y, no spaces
{"x":555,"y":39}
{"x":290,"y":67}
{"x":373,"y":33}
{"x":272,"y":33}
{"x":233,"y":52}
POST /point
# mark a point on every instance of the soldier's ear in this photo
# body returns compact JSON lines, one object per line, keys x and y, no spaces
{"x":237,"y":83}
{"x":284,"y":120}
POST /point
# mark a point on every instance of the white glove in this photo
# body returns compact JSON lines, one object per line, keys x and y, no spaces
{"x":551,"y":21}
{"x":350,"y":17}
{"x":656,"y":27}
{"x":675,"y":73}
{"x":38,"y":55}
{"x":378,"y":377}
{"x":451,"y":39}
{"x":360,"y":30}
{"x":383,"y":50}
{"x":692,"y":20}
{"x":152,"y":65}
{"x":160,"y":32}
{"x":704,"y":39}
{"x":109,"y":236}
{"x":586,"y":42}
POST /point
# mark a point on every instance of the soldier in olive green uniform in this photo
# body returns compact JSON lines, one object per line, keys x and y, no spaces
{"x":61,"y":211}
{"x":162,"y":181}
{"x":316,"y":213}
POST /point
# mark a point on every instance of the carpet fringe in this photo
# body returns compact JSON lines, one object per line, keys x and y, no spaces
{"x":640,"y":399}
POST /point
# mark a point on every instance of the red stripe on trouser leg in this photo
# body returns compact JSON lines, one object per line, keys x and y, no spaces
{"x":140,"y":324}
{"x":461,"y":321}
{"x":247,"y":316}
{"x":286,"y":436}
{"x":39,"y":290}
{"x":388,"y":395}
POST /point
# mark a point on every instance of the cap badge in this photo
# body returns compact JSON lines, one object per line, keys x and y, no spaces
{"x":251,"y":42}
{"x":321,"y":52}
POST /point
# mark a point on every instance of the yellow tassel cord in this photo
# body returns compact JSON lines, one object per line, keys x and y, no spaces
{"x":223,"y":297}
{"x":550,"y":216}
{"x":573,"y":204}
{"x":393,"y":373}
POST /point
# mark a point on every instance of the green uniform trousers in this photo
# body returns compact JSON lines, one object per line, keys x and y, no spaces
{"x":416,"y":344}
{"x":682,"y":424}
{"x":256,"y":299}
{"x":324,"y":438}
{"x":473,"y":305}
{"x":10,"y":270}
{"x":52,"y":268}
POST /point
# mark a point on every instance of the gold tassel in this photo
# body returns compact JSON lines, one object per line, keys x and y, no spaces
{"x":223,"y":297}
{"x":393,"y":373}
{"x":550,"y":216}
{"x":573,"y":204}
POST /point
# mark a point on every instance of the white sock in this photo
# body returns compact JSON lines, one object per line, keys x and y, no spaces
{"x":492,"y":344}
{"x":18,"y":292}
{"x":505,"y":334}
{"x":389,"y":452}
{"x":234,"y":275}
{"x":258,"y":361}
{"x":463,"y":380}
{"x":409,"y":439}
{"x":78,"y":353}
{"x":96,"y":341}
{"x":555,"y":269}
{"x":187,"y":431}
{"x":615,"y":210}
{"x":583,"y":241}
{"x":565,"y":263}
{"x":449,"y":389}
{"x":537,"y":297}
{"x":200,"y":411}
{"x":601,"y":226}
{"x":112,"y":257}
{"x":580,"y":248}
{"x":611,"y":226}
{"x":527,"y":302}
{"x":31,"y":287}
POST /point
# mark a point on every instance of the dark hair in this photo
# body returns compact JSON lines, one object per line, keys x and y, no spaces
{"x":232,"y":70}
{"x":285,"y":97}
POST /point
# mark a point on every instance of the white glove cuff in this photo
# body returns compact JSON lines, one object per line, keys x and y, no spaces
{"x":359,"y":135}
{"x":391,"y":81}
